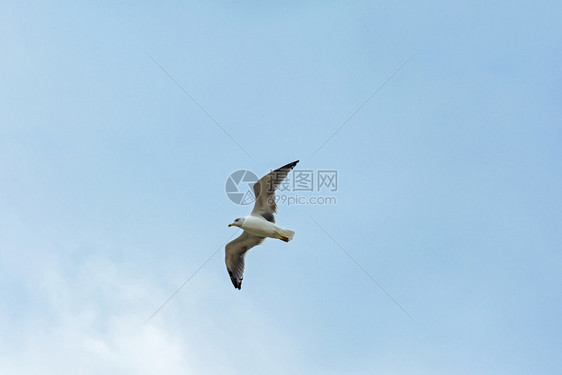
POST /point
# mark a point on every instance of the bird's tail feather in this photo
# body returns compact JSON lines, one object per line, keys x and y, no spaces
{"x":287,"y":233}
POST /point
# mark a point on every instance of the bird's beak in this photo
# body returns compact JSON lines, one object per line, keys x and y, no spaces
{"x":231,"y":224}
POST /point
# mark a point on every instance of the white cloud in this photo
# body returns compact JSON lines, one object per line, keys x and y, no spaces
{"x":91,"y":319}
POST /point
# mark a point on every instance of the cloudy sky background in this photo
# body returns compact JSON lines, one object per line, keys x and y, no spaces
{"x":112,"y":187}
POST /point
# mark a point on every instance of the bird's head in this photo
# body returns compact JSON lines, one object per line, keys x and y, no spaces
{"x":237,"y":222}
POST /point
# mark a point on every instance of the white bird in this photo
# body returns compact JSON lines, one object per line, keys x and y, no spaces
{"x":258,"y":225}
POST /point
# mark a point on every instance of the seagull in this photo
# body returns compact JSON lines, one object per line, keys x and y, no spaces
{"x":258,"y":225}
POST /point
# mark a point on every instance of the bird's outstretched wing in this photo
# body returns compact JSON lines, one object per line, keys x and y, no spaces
{"x":235,"y":251}
{"x":264,"y":190}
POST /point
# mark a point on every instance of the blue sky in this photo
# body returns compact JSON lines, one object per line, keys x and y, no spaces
{"x":112,"y":187}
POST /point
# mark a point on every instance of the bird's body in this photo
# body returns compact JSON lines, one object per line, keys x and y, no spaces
{"x":258,"y":225}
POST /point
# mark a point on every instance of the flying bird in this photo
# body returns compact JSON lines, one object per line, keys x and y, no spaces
{"x":258,"y":225}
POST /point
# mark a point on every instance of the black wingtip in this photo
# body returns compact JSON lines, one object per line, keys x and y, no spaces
{"x":290,"y":165}
{"x":237,"y":284}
